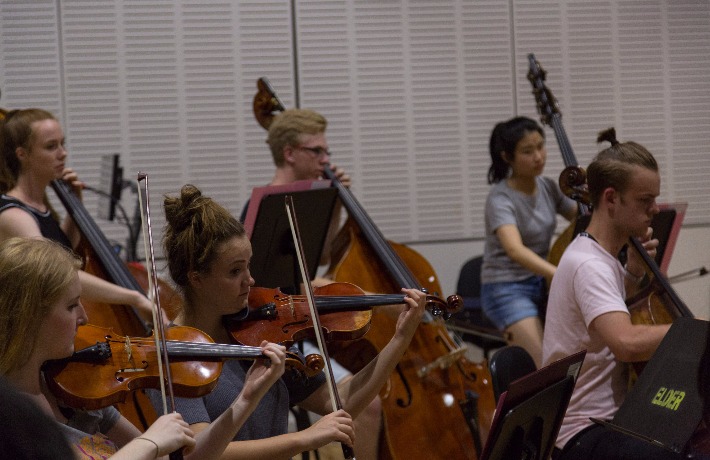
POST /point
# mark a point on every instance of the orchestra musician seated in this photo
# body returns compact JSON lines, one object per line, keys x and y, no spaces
{"x":208,"y":254}
{"x":40,"y":293}
{"x":587,"y":309}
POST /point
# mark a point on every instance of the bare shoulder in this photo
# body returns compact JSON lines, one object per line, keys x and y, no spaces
{"x":18,"y":222}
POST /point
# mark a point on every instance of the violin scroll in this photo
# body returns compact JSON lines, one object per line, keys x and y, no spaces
{"x":437,"y":307}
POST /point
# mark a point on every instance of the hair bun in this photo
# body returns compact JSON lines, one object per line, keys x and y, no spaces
{"x":179,"y":211}
{"x":608,"y":135}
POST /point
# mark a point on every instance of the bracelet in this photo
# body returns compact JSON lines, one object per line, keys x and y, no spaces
{"x":157,"y":449}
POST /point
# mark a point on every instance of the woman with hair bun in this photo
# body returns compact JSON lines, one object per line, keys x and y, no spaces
{"x":208,"y":256}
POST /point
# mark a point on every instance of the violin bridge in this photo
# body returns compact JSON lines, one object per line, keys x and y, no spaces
{"x":291,"y":306}
{"x":442,"y":362}
{"x":128,"y":349}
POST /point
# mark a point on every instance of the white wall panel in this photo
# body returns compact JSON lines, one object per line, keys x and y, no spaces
{"x":411,"y":89}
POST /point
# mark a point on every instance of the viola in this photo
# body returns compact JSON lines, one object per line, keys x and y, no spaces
{"x":119,"y":365}
{"x":344,"y":309}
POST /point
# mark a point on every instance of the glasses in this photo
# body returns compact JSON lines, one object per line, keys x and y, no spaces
{"x":317,"y":151}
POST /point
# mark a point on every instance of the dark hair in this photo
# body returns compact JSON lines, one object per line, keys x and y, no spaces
{"x":195,"y":227}
{"x":505,"y":138}
{"x":612,"y":166}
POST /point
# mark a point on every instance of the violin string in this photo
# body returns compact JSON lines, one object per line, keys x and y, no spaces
{"x":178,"y":345}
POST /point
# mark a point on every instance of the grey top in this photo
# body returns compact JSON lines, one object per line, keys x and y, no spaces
{"x":536,"y":219}
{"x":271,"y":415}
{"x":85,"y":431}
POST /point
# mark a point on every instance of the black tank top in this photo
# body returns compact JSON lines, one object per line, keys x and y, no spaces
{"x":47,"y":225}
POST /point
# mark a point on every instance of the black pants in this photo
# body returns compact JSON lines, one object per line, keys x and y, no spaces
{"x":600,"y":443}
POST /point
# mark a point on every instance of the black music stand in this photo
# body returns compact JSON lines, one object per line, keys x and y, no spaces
{"x":529,"y":415}
{"x":666,"y":226}
{"x":528,"y":430}
{"x":274,"y":262}
{"x":667,"y":403}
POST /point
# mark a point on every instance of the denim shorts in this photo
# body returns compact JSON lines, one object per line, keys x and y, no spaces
{"x":507,"y":303}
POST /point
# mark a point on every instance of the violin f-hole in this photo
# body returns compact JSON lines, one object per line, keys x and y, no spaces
{"x":130,"y":370}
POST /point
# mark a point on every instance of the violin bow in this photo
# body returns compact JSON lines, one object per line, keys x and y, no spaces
{"x":332,"y":387}
{"x":166,"y":381}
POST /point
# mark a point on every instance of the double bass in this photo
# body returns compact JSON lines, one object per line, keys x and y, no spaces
{"x":657,"y":302}
{"x":437,"y":404}
{"x":550,"y":115}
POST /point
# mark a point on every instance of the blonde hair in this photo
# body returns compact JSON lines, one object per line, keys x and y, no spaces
{"x":287,"y":128}
{"x":196,"y":226}
{"x":34,"y":274}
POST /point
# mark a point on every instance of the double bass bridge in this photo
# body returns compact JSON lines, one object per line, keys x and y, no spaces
{"x":442,"y":362}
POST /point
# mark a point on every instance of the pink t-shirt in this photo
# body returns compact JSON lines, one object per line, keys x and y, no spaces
{"x":588,"y":282}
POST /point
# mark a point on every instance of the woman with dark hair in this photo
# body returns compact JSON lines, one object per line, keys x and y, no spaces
{"x":521,"y":216}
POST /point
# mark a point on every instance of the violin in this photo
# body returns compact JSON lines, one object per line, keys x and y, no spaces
{"x":119,"y":365}
{"x":437,"y":403}
{"x":101,"y":260}
{"x":344,"y":309}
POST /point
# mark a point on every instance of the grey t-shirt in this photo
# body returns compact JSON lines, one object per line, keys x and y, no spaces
{"x":84,"y":431}
{"x":271,"y":415}
{"x":536,"y":219}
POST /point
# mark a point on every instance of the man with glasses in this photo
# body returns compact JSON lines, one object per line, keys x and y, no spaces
{"x":300,"y":151}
